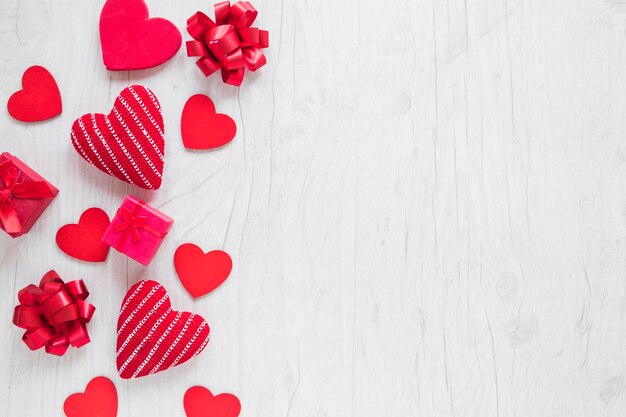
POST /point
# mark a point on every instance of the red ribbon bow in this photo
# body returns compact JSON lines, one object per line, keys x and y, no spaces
{"x":9,"y":174}
{"x":54,"y":314}
{"x":229,"y":43}
{"x":131,"y":223}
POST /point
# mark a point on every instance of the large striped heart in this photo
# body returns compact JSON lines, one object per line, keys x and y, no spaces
{"x":151,"y":337}
{"x":128,"y":142}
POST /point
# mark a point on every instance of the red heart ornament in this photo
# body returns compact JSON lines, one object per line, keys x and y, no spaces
{"x":83,"y":241}
{"x":128,"y":142}
{"x":151,"y":337}
{"x":201,"y":273}
{"x":202,"y":128}
{"x":200,"y":402}
{"x":131,"y":41}
{"x":40,"y":98}
{"x":99,"y":400}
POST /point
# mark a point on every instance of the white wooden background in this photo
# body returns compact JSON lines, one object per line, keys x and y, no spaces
{"x":425,"y":205}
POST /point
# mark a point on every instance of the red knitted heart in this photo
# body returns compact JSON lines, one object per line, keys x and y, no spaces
{"x":151,"y":337}
{"x":128,"y":142}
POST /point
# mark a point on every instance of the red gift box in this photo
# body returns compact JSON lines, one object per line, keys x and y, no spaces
{"x":137,"y":230}
{"x":24,"y":195}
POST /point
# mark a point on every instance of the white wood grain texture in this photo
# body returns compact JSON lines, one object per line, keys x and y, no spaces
{"x":424,"y":204}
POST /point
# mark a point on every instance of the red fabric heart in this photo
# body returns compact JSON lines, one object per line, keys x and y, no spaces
{"x":151,"y":337}
{"x":201,"y":273}
{"x":200,"y":402}
{"x":128,"y":142}
{"x":40,"y":98}
{"x":84,"y":240}
{"x":131,"y":41}
{"x":99,"y":400}
{"x":202,"y":128}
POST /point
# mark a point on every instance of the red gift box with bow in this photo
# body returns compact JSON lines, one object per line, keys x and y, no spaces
{"x":24,"y":195}
{"x":137,"y":230}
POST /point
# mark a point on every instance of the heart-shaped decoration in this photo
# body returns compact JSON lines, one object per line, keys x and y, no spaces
{"x":40,"y":98}
{"x":202,"y":128}
{"x":201,"y":273}
{"x":83,"y":241}
{"x":200,"y":402}
{"x":128,"y":142}
{"x":99,"y":400}
{"x":131,"y":41}
{"x":151,"y":337}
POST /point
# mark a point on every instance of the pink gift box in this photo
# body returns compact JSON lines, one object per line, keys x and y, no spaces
{"x":24,"y":195}
{"x":137,"y":230}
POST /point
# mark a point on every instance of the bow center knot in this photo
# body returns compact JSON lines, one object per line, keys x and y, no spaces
{"x":5,"y":195}
{"x":137,"y":221}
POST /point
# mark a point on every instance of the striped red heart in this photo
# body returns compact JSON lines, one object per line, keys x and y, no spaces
{"x":151,"y":337}
{"x":128,"y":142}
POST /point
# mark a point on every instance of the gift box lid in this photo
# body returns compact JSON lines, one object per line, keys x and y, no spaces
{"x":28,"y":199}
{"x":29,"y":175}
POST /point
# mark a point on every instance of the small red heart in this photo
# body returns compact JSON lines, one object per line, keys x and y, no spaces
{"x":40,"y":98}
{"x":202,"y":128}
{"x":200,"y":402}
{"x":131,"y":41}
{"x":84,"y":240}
{"x":99,"y":400}
{"x":201,"y":273}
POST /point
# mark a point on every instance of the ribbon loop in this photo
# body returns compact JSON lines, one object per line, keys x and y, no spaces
{"x":198,"y":24}
{"x":229,"y":43}
{"x":54,"y":314}
{"x":242,"y":14}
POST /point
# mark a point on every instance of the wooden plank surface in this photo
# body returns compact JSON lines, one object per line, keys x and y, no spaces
{"x":425,"y":206}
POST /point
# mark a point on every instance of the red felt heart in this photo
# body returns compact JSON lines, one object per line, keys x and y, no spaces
{"x":201,"y":273}
{"x":202,"y":128}
{"x":151,"y":337}
{"x":200,"y":402}
{"x":131,"y":41}
{"x":128,"y":142}
{"x":99,"y":400}
{"x":84,"y":240}
{"x":40,"y":98}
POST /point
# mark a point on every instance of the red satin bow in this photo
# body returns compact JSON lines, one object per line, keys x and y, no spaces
{"x":9,"y":175}
{"x":131,"y":223}
{"x":229,"y":43}
{"x":54,"y":314}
